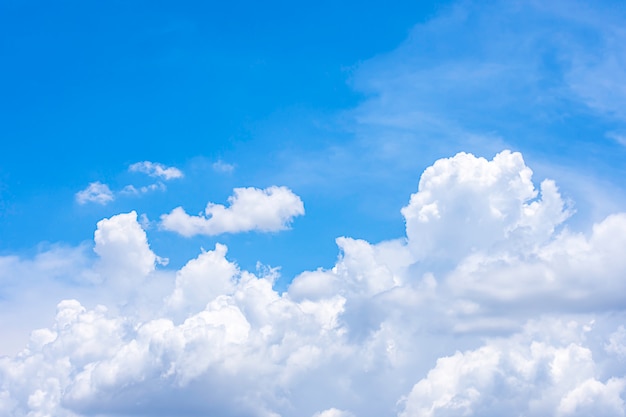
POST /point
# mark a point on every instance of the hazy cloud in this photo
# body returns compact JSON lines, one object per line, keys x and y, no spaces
{"x":154,"y":169}
{"x":223,"y":167}
{"x":132,"y":190}
{"x":96,"y":192}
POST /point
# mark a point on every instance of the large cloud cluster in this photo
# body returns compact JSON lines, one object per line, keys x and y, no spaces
{"x":489,"y":306}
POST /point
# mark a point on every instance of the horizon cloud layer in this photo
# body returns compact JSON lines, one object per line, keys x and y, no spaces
{"x":489,"y":305}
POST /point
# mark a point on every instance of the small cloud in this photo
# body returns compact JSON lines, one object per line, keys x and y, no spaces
{"x":267,"y":210}
{"x":223,"y":167}
{"x":132,"y":190}
{"x":96,"y":192}
{"x":154,"y":169}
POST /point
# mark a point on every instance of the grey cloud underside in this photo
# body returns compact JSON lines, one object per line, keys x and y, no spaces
{"x":489,"y":306}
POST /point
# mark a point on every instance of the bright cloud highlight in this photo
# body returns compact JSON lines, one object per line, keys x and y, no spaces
{"x":268,"y":210}
{"x":490,"y":305}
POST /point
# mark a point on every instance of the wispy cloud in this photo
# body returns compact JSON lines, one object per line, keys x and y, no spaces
{"x":132,"y":190}
{"x":223,"y":167}
{"x":617,"y":137}
{"x":154,"y":169}
{"x":96,"y":192}
{"x":100,"y":193}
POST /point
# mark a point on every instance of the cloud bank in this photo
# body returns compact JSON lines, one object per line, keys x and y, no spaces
{"x":268,"y":210}
{"x":490,"y":305}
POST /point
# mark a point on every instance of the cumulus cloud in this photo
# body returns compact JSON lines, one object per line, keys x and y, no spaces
{"x":122,"y":246}
{"x":488,"y":306}
{"x":467,"y":204}
{"x":267,"y":210}
{"x":525,"y":373}
{"x":96,"y":192}
{"x":154,"y":169}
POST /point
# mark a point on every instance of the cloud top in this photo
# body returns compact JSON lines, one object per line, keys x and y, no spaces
{"x":250,"y":209}
{"x":467,"y":204}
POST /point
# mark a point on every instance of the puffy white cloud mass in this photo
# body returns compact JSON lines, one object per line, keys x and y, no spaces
{"x":489,"y":306}
{"x":96,"y":192}
{"x":268,"y":210}
{"x":154,"y":169}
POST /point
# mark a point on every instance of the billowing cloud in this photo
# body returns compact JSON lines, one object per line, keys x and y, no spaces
{"x":122,"y":246}
{"x":547,"y":369}
{"x":96,"y":192}
{"x":490,"y":305}
{"x":466,"y":205}
{"x":154,"y":169}
{"x":266,"y":210}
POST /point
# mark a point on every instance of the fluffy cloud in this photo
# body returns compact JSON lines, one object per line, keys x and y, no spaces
{"x":545,"y":370}
{"x":489,"y":306}
{"x":122,"y":246}
{"x":466,"y":205}
{"x":96,"y":192}
{"x":154,"y":169}
{"x":267,"y":210}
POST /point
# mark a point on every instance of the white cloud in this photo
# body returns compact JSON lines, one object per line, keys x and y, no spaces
{"x":266,"y":210}
{"x":122,"y":245}
{"x":100,"y":193}
{"x":203,"y":279}
{"x":535,"y":373}
{"x":333,"y":412}
{"x":96,"y":192}
{"x":154,"y":169}
{"x":132,"y":190}
{"x":466,"y":204}
{"x":520,"y":316}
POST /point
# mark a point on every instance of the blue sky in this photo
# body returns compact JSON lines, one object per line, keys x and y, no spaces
{"x":92,"y":88}
{"x":296,"y":135}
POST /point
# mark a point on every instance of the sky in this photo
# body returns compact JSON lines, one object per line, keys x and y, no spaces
{"x":325,"y":209}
